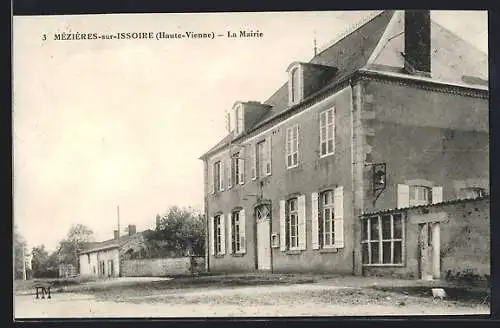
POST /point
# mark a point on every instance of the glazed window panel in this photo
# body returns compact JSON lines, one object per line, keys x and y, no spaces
{"x":218,"y":234}
{"x":235,"y":168}
{"x":292,"y":224}
{"x":420,"y":195}
{"x":217,"y":176}
{"x":327,"y":227}
{"x":235,"y":232}
{"x":327,"y":132}
{"x":382,"y":239}
{"x":292,"y":146}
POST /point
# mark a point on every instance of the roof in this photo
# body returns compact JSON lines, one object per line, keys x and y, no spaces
{"x":348,"y":54}
{"x":380,"y":35}
{"x":109,"y":244}
{"x":404,"y":209}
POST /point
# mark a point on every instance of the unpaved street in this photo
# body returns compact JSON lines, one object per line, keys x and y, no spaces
{"x":292,"y":300}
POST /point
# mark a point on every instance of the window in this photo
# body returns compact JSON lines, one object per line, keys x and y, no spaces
{"x":235,"y":232}
{"x":238,"y":113}
{"x":235,"y":168}
{"x":327,"y":226}
{"x":327,"y":132}
{"x":382,"y":239}
{"x":292,"y":146}
{"x":420,"y":195}
{"x":472,"y":192}
{"x":88,"y":258}
{"x":292,"y":223}
{"x":217,"y":176}
{"x":261,"y":159}
{"x":218,"y":234}
{"x":295,"y":89}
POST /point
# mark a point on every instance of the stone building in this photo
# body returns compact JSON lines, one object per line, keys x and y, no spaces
{"x":103,"y":259}
{"x":394,"y":115}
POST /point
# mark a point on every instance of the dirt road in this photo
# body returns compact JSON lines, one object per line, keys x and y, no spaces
{"x":254,"y":301}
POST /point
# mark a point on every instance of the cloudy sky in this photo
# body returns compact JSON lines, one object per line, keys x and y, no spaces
{"x":97,"y":124}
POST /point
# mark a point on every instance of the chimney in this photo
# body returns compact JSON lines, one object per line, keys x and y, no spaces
{"x":116,"y":235}
{"x":131,"y":229}
{"x":418,"y":41}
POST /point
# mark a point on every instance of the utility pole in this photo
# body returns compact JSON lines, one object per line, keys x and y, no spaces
{"x":24,"y":262}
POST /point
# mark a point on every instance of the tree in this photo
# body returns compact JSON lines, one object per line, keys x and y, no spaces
{"x":77,"y":236}
{"x":43,"y":264}
{"x":20,"y":250}
{"x":180,"y":232}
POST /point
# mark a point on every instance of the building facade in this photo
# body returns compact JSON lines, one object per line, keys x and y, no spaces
{"x":393,"y":115}
{"x":103,"y":259}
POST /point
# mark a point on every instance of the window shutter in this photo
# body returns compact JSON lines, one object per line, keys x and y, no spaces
{"x":211,"y":186}
{"x":301,"y":200}
{"x":254,"y":161}
{"x":221,"y":175}
{"x":211,"y":235}
{"x":333,"y":128}
{"x":403,"y":196}
{"x":437,"y":195}
{"x":314,"y":221}
{"x":241,"y":163}
{"x":230,"y":233}
{"x":269,"y":158}
{"x":242,"y":235}
{"x":298,"y":145}
{"x":338,"y":217}
{"x":223,"y":234}
{"x":282,"y":226}
{"x":230,"y":172}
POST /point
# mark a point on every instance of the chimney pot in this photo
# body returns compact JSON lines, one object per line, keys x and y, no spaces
{"x":131,"y":229}
{"x":116,"y":235}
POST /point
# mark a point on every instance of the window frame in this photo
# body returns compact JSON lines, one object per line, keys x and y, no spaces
{"x":217,"y":233}
{"x":324,"y":123}
{"x":323,"y":207}
{"x":292,"y":143}
{"x":217,"y":175}
{"x":417,"y":201}
{"x":290,"y":227}
{"x":381,"y":240}
{"x":261,"y":161}
{"x":479,"y":191}
{"x":235,"y":235}
{"x":235,"y":169}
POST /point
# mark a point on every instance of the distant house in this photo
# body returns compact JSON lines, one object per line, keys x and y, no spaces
{"x":102,"y":259}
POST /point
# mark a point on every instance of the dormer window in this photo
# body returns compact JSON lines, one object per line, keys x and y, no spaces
{"x":235,"y":119}
{"x":295,"y":85}
{"x":238,"y":114}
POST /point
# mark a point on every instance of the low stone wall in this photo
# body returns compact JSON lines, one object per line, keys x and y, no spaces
{"x":162,"y":267}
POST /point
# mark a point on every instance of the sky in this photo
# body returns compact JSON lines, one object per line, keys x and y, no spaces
{"x":104,"y":123}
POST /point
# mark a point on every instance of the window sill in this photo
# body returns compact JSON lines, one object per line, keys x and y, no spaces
{"x":329,"y":250}
{"x":238,"y":254}
{"x":387,"y":265}
{"x":293,"y":252}
{"x":218,"y":256}
{"x":326,"y":155}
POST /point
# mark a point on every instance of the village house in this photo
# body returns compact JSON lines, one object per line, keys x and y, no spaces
{"x":103,"y":259}
{"x":372,"y":149}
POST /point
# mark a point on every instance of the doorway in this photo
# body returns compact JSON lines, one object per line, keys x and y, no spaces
{"x":263,"y":242}
{"x":430,"y":248}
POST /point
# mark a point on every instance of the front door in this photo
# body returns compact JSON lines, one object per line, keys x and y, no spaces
{"x":429,"y":245}
{"x":263,"y":215}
